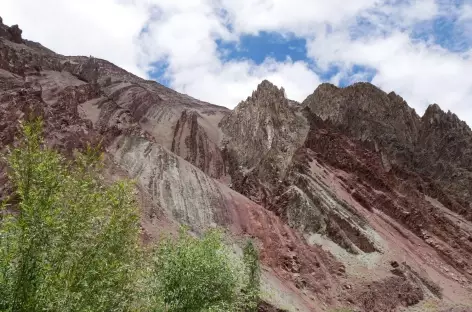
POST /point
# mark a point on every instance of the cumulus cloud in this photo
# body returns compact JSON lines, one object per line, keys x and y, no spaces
{"x":184,"y":37}
{"x":395,"y":42}
{"x":104,"y":28}
{"x":466,"y":12}
{"x":231,"y":82}
{"x":296,"y":16}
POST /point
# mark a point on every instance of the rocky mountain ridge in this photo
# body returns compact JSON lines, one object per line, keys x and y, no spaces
{"x":354,"y":200}
{"x":436,"y":145}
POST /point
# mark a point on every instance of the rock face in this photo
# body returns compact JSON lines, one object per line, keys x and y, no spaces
{"x":444,"y":154}
{"x":353,"y":199}
{"x":260,"y":137}
{"x":12,"y":33}
{"x":436,"y":146}
{"x":366,"y":111}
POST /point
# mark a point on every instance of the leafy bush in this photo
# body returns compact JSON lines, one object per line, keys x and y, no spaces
{"x":71,"y":243}
{"x":199,"y":275}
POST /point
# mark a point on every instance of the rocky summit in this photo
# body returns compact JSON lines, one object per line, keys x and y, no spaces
{"x":354,"y":200}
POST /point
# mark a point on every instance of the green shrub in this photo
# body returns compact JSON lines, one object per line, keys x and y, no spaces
{"x":71,"y":243}
{"x":196,"y":274}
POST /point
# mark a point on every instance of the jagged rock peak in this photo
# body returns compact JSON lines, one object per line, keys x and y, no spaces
{"x":365,"y":111}
{"x":266,"y":120}
{"x":12,"y":33}
{"x":328,"y":99}
{"x":267,"y":86}
{"x":364,"y":85}
{"x":434,"y":110}
{"x":391,"y":101}
{"x":358,"y":86}
{"x":371,"y":91}
{"x":362,"y":88}
{"x":267,"y":90}
{"x":326,"y":86}
{"x":266,"y":98}
{"x":435,"y":115}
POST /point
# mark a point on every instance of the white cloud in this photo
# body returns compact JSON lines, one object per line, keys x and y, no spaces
{"x":372,"y":33}
{"x":298,"y":16}
{"x":231,"y":82}
{"x":185,"y":37}
{"x":466,"y":12}
{"x":102,"y":28}
{"x":465,"y":22}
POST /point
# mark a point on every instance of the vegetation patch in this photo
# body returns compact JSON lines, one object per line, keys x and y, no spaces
{"x":71,"y":243}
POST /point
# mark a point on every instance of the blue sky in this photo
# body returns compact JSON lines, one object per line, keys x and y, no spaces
{"x":265,"y":44}
{"x":219,"y":50}
{"x":281,"y":47}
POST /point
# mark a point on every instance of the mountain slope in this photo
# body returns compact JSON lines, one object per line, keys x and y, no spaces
{"x":354,"y":200}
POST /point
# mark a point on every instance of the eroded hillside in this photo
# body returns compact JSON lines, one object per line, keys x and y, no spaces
{"x":355,"y":200}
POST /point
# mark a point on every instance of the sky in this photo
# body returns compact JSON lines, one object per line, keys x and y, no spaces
{"x":220,"y":50}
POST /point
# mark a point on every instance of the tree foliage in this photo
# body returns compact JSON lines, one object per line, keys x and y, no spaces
{"x":251,"y":290}
{"x":71,"y":243}
{"x":202,"y":274}
{"x":195,"y":274}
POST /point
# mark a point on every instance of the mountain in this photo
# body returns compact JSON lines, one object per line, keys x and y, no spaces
{"x":436,"y":146}
{"x":353,"y":199}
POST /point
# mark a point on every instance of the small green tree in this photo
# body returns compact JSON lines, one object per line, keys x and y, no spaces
{"x":195,"y":274}
{"x":251,"y":291}
{"x":71,"y":243}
